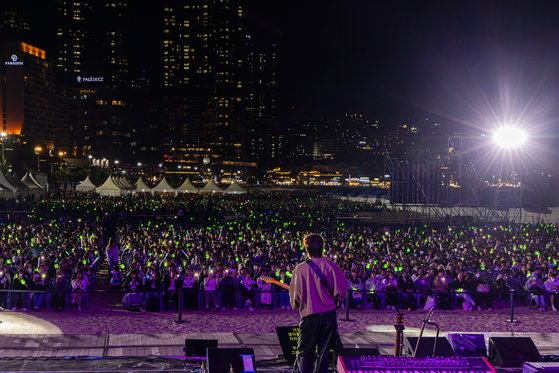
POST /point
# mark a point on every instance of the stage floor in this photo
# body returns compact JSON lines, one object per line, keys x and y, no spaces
{"x":265,"y":345}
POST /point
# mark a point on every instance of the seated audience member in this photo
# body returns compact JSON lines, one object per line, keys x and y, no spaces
{"x":407,"y":287}
{"x":390,"y":285}
{"x":462,"y":291}
{"x":482,"y":292}
{"x":356,"y":285}
{"x":371,"y":285}
{"x":535,"y":286}
{"x":134,"y":288}
{"x":116,"y":277}
{"x":442,"y":287}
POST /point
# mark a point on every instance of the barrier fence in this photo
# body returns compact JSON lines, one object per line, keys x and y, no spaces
{"x":236,"y":296}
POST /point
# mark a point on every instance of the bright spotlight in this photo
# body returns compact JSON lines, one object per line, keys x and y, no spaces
{"x":508,"y":137}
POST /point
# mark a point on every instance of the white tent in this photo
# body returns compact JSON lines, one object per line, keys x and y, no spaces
{"x":118,"y":183}
{"x":85,"y":186}
{"x":187,"y":187}
{"x":163,"y":186}
{"x":140,"y":186}
{"x":125,"y":182}
{"x":109,"y":188}
{"x":211,"y":187}
{"x":30,"y":181}
{"x":235,"y":188}
{"x":15,"y":182}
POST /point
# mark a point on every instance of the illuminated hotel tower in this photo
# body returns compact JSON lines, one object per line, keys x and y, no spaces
{"x":30,"y":106}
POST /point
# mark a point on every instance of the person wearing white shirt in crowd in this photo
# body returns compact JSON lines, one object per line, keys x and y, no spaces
{"x":249,"y":284}
{"x":371,"y":285}
{"x":79,"y":286}
{"x":552,"y":286}
{"x":266,"y":289}
{"x":536,"y":287}
{"x":210,"y":287}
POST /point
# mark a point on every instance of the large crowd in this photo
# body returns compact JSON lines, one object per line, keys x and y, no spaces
{"x":215,"y":250}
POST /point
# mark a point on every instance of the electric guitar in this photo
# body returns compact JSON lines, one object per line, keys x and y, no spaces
{"x":274,"y":281}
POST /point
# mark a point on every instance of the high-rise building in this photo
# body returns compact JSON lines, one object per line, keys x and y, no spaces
{"x":202,"y":75}
{"x":92,"y":41}
{"x":218,"y":87}
{"x":31,"y":107}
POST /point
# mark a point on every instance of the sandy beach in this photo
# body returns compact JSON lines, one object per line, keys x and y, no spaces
{"x":109,"y":319}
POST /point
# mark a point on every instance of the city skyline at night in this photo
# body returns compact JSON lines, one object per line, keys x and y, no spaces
{"x":281,"y":84}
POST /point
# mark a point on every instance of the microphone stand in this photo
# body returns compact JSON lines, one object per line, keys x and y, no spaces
{"x":436,"y":337}
{"x":422,"y":329}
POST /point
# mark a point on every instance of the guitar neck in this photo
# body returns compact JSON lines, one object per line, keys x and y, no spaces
{"x":274,"y":281}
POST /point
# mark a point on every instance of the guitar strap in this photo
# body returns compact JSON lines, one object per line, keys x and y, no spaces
{"x":320,"y":275}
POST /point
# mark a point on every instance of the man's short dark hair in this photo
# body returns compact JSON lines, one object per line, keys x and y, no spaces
{"x":314,"y":243}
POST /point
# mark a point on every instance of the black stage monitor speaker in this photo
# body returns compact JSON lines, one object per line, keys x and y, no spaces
{"x":426,"y":347}
{"x":288,"y":336}
{"x":468,"y":345}
{"x":220,"y":360}
{"x":197,"y":347}
{"x":513,"y":352}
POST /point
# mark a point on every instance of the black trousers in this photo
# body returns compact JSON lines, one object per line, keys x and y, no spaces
{"x":320,"y":329}
{"x":191,"y":299}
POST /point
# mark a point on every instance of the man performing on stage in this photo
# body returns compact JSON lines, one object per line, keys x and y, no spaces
{"x":316,"y":284}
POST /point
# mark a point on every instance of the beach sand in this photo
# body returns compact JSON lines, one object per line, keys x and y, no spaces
{"x":104,"y":319}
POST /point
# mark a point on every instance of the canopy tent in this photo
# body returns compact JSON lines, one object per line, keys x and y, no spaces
{"x":109,"y":188}
{"x":6,"y":186}
{"x":118,"y":183}
{"x":163,"y":186}
{"x":16,"y":182}
{"x":235,"y":188}
{"x":140,"y":186}
{"x":187,"y":187}
{"x":30,"y":181}
{"x":125,"y":182}
{"x":211,"y":187}
{"x":85,"y":186}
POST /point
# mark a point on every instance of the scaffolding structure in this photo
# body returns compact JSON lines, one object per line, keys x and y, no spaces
{"x":452,"y":187}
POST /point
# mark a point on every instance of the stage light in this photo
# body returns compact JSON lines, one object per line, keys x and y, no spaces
{"x":509,"y":137}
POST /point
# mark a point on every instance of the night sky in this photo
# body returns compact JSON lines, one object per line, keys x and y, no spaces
{"x":470,"y":64}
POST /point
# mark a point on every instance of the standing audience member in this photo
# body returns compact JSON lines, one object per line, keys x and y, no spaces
{"x":39,"y":284}
{"x":551,"y":286}
{"x":21,"y":282}
{"x":79,"y":287}
{"x":210,"y":291}
{"x":59,"y":288}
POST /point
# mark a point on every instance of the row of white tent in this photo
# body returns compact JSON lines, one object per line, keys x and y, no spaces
{"x":115,"y":186}
{"x":11,"y":185}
